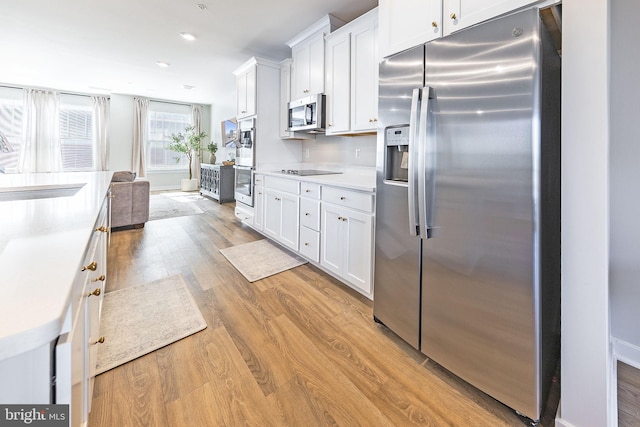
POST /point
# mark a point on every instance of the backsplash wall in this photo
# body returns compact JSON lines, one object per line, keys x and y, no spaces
{"x":340,"y":150}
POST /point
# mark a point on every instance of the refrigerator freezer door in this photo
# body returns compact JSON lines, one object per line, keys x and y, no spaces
{"x":480,"y":268}
{"x":397,"y":263}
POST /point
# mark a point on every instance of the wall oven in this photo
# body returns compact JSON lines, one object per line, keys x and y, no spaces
{"x":244,"y":185}
{"x":245,"y":153}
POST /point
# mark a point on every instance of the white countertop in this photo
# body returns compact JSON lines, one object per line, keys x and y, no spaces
{"x":363,"y":179}
{"x":42,"y":242}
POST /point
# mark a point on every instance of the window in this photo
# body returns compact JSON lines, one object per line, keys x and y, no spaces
{"x":10,"y":128}
{"x":76,"y":133}
{"x":164,"y":120}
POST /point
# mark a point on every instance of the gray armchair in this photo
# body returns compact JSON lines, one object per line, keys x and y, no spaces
{"x":130,"y":200}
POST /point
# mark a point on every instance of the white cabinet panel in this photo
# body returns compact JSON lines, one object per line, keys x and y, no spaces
{"x":407,"y":23}
{"x":459,"y":14}
{"x":308,"y":67}
{"x":346,"y":245}
{"x":364,"y":78}
{"x":281,"y":217}
{"x":338,"y":83}
{"x":352,"y":76}
{"x":246,"y":93}
{"x":310,"y":213}
{"x":310,"y":244}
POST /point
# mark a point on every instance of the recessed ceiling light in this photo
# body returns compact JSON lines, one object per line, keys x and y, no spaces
{"x":187,"y":87}
{"x":188,"y":36}
{"x":162,"y":64}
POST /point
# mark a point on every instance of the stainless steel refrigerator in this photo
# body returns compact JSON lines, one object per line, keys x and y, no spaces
{"x":467,"y":266}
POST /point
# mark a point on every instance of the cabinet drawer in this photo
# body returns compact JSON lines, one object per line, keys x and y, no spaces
{"x":244,"y":215}
{"x":310,"y":213}
{"x":282,"y":184}
{"x":310,"y":244}
{"x":309,"y":189}
{"x":258,"y":180}
{"x":348,"y":198}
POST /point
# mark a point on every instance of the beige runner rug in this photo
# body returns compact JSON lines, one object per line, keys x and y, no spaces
{"x":260,"y":259}
{"x":138,"y":320}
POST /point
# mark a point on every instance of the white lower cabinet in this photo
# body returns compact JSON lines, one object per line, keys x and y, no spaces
{"x":281,"y":217}
{"x":258,"y":203}
{"x":328,"y":225}
{"x":346,"y":245}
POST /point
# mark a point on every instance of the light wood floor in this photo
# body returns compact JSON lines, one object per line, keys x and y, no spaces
{"x":296,"y":349}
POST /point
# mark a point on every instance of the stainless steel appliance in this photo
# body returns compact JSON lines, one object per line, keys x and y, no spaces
{"x":245,"y":161}
{"x":467,"y":266}
{"x":243,"y":191}
{"x":307,"y":114}
{"x":245,"y":154}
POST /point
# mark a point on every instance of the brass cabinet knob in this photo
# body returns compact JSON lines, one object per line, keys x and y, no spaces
{"x":91,"y":266}
{"x":95,"y":293}
{"x":306,"y":244}
{"x":453,"y":15}
{"x":307,"y":214}
{"x":100,"y":278}
{"x":434,"y":24}
{"x":102,"y":228}
{"x":307,"y":191}
{"x":342,"y":197}
{"x":98,"y":341}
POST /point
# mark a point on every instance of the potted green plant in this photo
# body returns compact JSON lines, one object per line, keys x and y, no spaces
{"x":188,"y":143}
{"x":212,"y":148}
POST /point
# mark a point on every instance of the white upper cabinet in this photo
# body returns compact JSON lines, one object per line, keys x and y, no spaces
{"x":364,"y":74}
{"x":459,"y":14}
{"x":307,"y":52}
{"x":408,"y":23}
{"x":337,"y":91}
{"x":246,"y":91}
{"x":308,"y":67}
{"x":352,"y":77}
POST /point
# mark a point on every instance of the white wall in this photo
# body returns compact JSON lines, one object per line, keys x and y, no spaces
{"x":625,"y":175}
{"x":586,"y":356}
{"x":340,"y":151}
{"x":121,"y":142}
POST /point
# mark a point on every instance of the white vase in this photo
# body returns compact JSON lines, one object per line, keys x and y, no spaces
{"x":188,"y":184}
{"x":212,"y":158}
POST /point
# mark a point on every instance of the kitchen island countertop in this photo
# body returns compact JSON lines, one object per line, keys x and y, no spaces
{"x":42,"y":244}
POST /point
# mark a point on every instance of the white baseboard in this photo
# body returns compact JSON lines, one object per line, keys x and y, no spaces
{"x":626,"y":352}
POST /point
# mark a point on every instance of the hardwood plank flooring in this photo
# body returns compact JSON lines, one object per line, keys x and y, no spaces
{"x":296,"y":349}
{"x":628,"y":395}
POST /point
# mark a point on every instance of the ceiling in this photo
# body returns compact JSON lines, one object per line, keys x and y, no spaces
{"x":97,"y":46}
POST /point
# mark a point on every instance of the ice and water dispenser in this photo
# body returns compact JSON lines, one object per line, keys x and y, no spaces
{"x":396,"y":143}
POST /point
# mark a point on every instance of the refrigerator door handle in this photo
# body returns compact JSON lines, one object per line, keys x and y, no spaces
{"x":422,"y":164}
{"x":413,"y":163}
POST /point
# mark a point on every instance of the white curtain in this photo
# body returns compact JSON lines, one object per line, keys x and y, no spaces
{"x":100,"y":132}
{"x":196,"y":121}
{"x":41,"y":144}
{"x":140,"y":116}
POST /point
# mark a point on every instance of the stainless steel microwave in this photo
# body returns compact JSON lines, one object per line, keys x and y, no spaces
{"x":307,"y":114}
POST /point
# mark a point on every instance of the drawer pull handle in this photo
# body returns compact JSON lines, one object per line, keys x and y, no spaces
{"x":102,"y":228}
{"x":342,"y":198}
{"x":453,"y":16}
{"x":91,"y":266}
{"x":434,"y":24}
{"x":307,"y":214}
{"x":306,"y":244}
{"x":100,"y":278}
{"x":95,"y":293}
{"x":98,"y":341}
{"x":307,"y":191}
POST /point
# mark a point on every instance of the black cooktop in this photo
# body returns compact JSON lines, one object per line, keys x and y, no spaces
{"x":306,"y":172}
